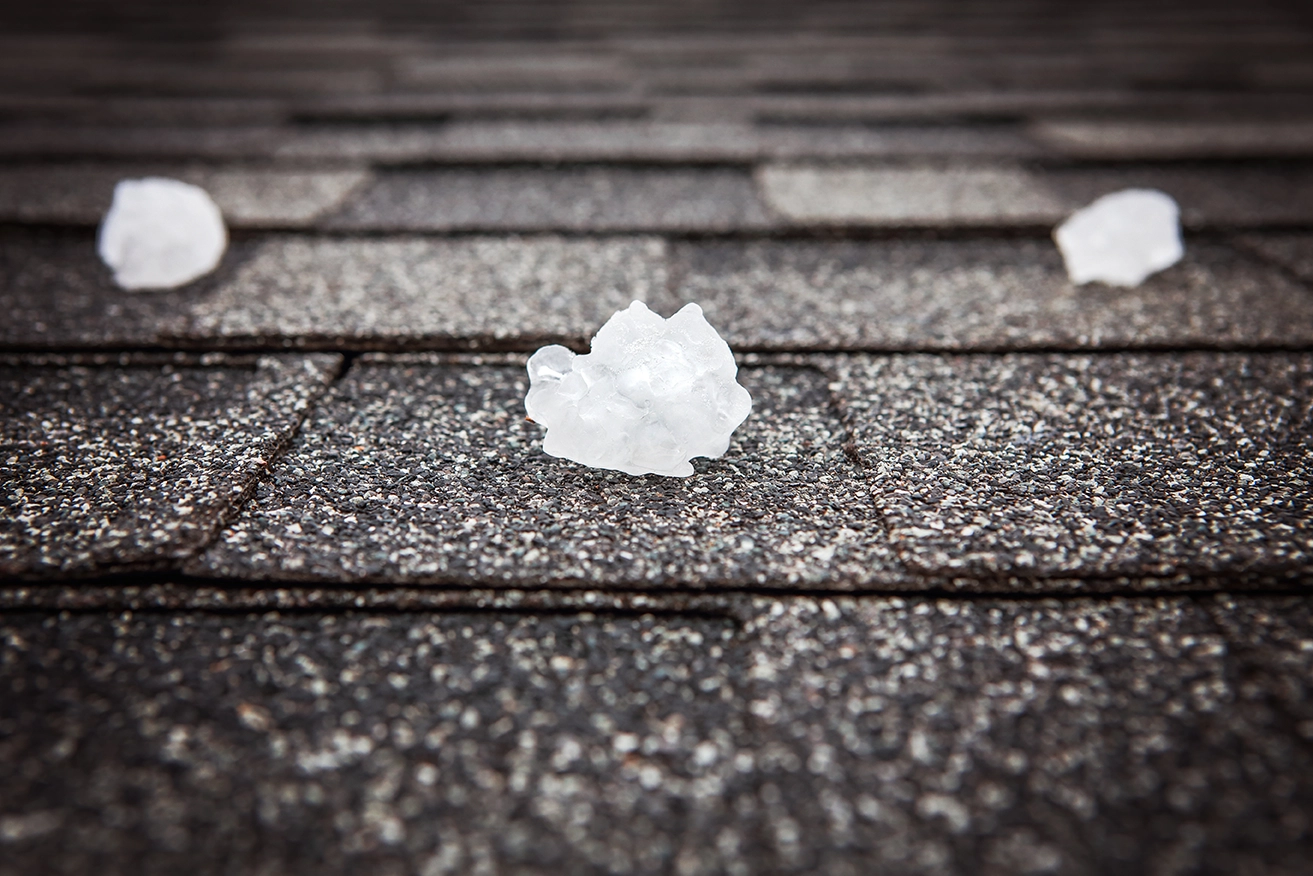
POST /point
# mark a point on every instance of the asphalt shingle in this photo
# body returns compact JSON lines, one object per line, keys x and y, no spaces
{"x":476,"y":142}
{"x":1293,"y":250}
{"x":249,"y":197}
{"x":1052,"y":465}
{"x":465,"y":292}
{"x":57,"y":293}
{"x":132,"y":462}
{"x":981,"y":294}
{"x":845,"y":735}
{"x":413,"y":471}
{"x":598,"y":199}
{"x":1145,"y":140}
{"x":932,"y":196}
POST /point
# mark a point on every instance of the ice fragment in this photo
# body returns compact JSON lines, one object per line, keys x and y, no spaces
{"x":1121,"y":238}
{"x":651,"y":395}
{"x":161,"y":233}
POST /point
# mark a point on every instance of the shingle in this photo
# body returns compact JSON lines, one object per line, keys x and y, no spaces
{"x":1293,"y":250}
{"x":249,"y":198}
{"x":466,"y":292}
{"x":415,"y":471}
{"x":797,"y":735}
{"x":1089,"y":466}
{"x":57,"y":293}
{"x":995,"y":736}
{"x":1147,"y":140}
{"x":137,"y":142}
{"x":135,"y":461}
{"x":570,"y":199}
{"x":966,"y":196}
{"x":981,"y":294}
{"x":909,"y":196}
{"x":431,"y":742}
{"x":428,"y":107}
{"x":638,"y":142}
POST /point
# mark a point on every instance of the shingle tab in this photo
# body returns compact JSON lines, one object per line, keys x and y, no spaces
{"x":466,"y":292}
{"x":794,"y":735}
{"x":1146,"y":140}
{"x":639,"y":142}
{"x":572,"y":199}
{"x":132,"y":462}
{"x":893,"y":196}
{"x":249,"y":198}
{"x":56,"y":293}
{"x":981,"y":294}
{"x":1089,"y":465}
{"x":1293,"y":250}
{"x":414,"y":471}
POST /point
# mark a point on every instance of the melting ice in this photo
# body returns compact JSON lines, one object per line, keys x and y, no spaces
{"x":161,"y":233}
{"x":1121,"y":238}
{"x":652,"y":394}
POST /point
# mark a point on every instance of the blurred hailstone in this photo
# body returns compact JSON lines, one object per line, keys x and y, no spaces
{"x":652,"y":394}
{"x":161,"y":233}
{"x":1121,"y":238}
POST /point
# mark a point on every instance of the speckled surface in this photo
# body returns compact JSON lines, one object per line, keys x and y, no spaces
{"x":469,"y":292}
{"x":416,"y":471}
{"x":979,"y":294}
{"x":568,"y":199}
{"x":133,"y":462}
{"x":841,"y":736}
{"x":1092,"y":465}
{"x":943,"y":195}
{"x":1292,"y":250}
{"x":643,"y":142}
{"x":79,"y":194}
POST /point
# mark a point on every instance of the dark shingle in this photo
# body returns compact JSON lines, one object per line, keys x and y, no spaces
{"x":135,"y":461}
{"x":994,"y":294}
{"x":412,"y":471}
{"x":1089,"y":465}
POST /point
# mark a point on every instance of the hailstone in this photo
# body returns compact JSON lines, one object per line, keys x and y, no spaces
{"x":161,"y":233}
{"x":1121,"y":238}
{"x":652,"y":394}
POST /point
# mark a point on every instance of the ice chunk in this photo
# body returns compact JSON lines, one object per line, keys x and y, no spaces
{"x":161,"y":233}
{"x":1121,"y":238}
{"x":651,"y":395}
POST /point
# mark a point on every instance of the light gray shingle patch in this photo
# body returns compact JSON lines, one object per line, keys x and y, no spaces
{"x":1148,"y":140}
{"x":57,"y":293}
{"x":634,"y":141}
{"x":1089,"y":465}
{"x":433,"y":743}
{"x":573,"y":199}
{"x":413,"y":471}
{"x":512,"y":66}
{"x":963,"y":295}
{"x":468,"y":292}
{"x":1293,"y":250}
{"x":862,"y":735}
{"x":133,"y":462}
{"x":137,"y":141}
{"x":429,"y":107}
{"x":249,"y":198}
{"x":915,"y":196}
{"x":1021,"y":737}
{"x":890,"y":196}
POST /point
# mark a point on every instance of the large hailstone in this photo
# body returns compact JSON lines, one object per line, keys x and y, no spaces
{"x":651,"y":395}
{"x":161,"y":233}
{"x":1121,"y":238}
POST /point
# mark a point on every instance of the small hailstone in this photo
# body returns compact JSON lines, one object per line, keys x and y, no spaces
{"x":1121,"y":238}
{"x":652,"y":394}
{"x":161,"y":233}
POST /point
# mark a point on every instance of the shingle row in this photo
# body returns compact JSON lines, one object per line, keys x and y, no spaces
{"x":837,"y":735}
{"x":999,"y":473}
{"x":512,"y":292}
